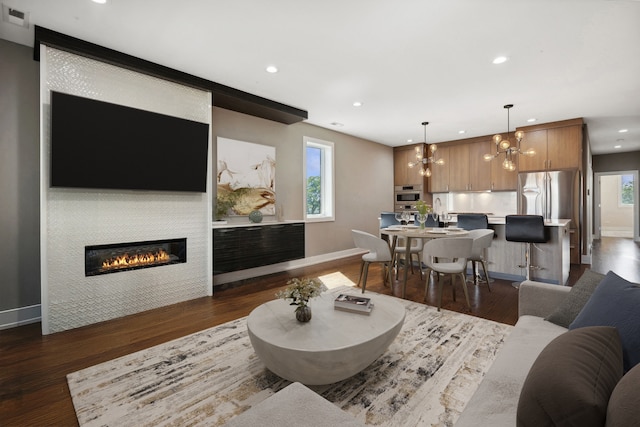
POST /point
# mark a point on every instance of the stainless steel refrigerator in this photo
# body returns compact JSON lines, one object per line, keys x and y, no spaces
{"x":550,"y":194}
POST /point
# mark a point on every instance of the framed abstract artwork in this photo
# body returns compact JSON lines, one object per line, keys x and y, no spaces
{"x":245,"y":178}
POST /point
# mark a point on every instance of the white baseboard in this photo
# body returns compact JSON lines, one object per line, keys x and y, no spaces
{"x":233,"y":276}
{"x":20,"y":316}
{"x":613,"y":232}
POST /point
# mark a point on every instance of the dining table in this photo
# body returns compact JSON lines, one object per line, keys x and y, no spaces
{"x":410,"y":232}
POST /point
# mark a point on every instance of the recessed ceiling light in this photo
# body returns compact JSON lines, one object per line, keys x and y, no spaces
{"x":462,"y":132}
{"x":409,"y":141}
{"x":531,"y":120}
{"x":623,"y":130}
{"x":500,"y":60}
{"x":617,"y":146}
{"x":357,"y":104}
{"x":99,"y":1}
{"x":272,"y":69}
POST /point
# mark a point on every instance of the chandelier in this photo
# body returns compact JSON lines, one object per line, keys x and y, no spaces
{"x":504,"y":146}
{"x":422,"y":159}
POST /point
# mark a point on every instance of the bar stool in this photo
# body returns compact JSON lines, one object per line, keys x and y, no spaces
{"x":472,"y":221}
{"x":526,"y":229}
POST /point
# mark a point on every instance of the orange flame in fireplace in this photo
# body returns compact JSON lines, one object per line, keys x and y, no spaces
{"x":127,"y":260}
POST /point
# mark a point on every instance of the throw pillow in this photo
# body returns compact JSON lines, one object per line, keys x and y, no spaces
{"x":575,"y":300}
{"x":624,"y":403}
{"x":570,"y":382}
{"x":615,"y":302}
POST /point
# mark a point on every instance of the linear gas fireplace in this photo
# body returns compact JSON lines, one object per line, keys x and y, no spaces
{"x":114,"y":258}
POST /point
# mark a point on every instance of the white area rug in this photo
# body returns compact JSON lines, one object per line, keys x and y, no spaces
{"x":425,"y":377}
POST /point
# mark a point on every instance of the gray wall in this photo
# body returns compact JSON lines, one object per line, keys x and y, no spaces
{"x":364,"y":176}
{"x":19,"y":177}
{"x":616,"y":162}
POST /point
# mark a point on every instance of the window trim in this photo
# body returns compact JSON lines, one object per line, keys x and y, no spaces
{"x":621,"y":204}
{"x":327,"y":179}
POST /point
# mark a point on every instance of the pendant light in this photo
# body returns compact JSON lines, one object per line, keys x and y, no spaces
{"x":504,"y":146}
{"x":422,"y":159}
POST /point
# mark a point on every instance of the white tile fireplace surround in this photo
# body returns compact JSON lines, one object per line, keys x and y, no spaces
{"x":72,"y":219}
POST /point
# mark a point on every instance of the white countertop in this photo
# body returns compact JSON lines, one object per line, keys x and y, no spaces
{"x":500,"y":220}
{"x":548,"y":222}
{"x":216,"y":224}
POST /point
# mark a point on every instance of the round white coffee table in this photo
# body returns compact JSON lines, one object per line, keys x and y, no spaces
{"x":332,"y":346}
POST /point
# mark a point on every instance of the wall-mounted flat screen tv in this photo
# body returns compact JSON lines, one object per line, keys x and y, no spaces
{"x":96,"y":144}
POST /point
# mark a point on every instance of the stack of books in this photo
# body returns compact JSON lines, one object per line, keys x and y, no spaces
{"x":353,"y":303}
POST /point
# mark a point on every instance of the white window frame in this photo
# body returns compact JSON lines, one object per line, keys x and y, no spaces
{"x":620,"y":203}
{"x":327,"y":179}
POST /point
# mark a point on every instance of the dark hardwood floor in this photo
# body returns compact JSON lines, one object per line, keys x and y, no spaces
{"x":619,"y":255}
{"x":33,"y":368}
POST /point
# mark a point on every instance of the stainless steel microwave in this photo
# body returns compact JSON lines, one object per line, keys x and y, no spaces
{"x":407,"y":197}
{"x":407,"y":194}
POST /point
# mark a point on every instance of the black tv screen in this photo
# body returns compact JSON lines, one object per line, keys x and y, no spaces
{"x":96,"y":144}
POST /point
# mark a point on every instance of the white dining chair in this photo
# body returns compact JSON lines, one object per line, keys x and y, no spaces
{"x":482,"y":239}
{"x":447,"y":256}
{"x":379,"y":252}
{"x":414,"y":251}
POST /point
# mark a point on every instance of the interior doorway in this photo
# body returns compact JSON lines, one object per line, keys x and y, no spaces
{"x":616,"y":205}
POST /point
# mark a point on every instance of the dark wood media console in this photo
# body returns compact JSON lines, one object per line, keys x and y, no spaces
{"x":243,"y":247}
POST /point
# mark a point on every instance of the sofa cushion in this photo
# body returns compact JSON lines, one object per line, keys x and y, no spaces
{"x":624,"y":403}
{"x":578,"y":296}
{"x":615,"y":302}
{"x":294,"y":406}
{"x":572,"y":379}
{"x":495,"y":401}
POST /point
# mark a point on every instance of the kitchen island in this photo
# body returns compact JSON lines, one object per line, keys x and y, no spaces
{"x":503,"y":257}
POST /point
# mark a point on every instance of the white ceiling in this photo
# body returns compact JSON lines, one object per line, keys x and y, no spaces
{"x":407,"y":61}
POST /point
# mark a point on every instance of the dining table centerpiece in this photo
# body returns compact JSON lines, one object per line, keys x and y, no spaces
{"x":300,"y":291}
{"x":423,"y":210}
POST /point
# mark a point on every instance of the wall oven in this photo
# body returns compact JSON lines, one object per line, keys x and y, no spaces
{"x":406,"y":197}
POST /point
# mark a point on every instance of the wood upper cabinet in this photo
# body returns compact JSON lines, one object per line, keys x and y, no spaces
{"x":402,"y":173}
{"x":564,"y":147}
{"x":502,"y":179}
{"x":480,"y":172}
{"x":556,"y":148}
{"x":538,"y":141}
{"x":468,"y":171}
{"x":439,"y":181}
{"x":459,"y":167}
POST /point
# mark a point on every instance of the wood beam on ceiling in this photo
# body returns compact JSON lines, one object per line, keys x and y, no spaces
{"x":223,"y":96}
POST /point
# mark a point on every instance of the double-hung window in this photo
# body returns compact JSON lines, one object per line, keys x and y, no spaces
{"x":319,"y":197}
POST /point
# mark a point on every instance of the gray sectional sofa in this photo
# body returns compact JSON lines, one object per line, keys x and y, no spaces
{"x":495,"y":403}
{"x":573,"y":359}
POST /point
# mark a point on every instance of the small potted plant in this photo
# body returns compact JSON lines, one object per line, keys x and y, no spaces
{"x":423,"y":210}
{"x":299,"y":291}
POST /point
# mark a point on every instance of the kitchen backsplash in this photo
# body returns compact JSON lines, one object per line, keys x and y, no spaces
{"x":496,"y":203}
